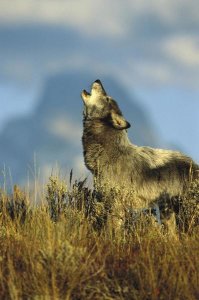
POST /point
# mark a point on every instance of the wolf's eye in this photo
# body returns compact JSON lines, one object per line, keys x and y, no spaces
{"x":107,"y":99}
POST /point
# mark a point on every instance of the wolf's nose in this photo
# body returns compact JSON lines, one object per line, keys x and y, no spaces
{"x":98,"y":81}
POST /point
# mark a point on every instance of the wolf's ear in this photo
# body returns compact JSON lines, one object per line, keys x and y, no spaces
{"x":119,"y":122}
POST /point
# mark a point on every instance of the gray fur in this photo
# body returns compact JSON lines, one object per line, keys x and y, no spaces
{"x":114,"y":161}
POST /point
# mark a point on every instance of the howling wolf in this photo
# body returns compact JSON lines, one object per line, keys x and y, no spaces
{"x":150,"y":174}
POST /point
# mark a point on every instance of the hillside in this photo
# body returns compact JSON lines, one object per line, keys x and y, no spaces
{"x":56,"y":251}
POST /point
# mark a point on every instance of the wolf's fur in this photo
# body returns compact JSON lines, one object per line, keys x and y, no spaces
{"x":114,"y":161}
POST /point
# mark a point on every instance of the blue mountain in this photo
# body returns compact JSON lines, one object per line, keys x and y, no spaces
{"x":52,"y":133}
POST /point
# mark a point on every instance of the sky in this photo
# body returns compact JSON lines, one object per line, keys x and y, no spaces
{"x":152,"y":47}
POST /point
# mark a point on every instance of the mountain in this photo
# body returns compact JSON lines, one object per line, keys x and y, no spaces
{"x":52,"y":133}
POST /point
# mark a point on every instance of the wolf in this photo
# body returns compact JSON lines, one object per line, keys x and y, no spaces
{"x":148,"y":174}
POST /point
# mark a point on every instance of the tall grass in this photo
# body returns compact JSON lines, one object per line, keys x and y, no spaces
{"x":68,"y":247}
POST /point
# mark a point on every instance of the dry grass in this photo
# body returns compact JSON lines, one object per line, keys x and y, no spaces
{"x":54,"y":251}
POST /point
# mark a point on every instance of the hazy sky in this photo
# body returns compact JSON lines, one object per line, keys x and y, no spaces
{"x":151,"y":46}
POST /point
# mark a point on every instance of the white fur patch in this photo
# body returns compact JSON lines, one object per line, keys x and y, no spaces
{"x":94,"y":98}
{"x":96,"y":95}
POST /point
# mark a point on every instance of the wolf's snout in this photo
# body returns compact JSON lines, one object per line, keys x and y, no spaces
{"x":98,"y":81}
{"x":97,"y":84}
{"x":98,"y":88}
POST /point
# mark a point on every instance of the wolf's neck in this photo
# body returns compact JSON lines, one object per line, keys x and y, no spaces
{"x":95,"y":132}
{"x":103,"y":146}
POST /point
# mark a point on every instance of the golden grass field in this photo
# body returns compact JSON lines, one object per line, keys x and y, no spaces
{"x":52,"y":250}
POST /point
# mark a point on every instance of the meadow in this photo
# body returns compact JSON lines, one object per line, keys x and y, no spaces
{"x":67,"y":247}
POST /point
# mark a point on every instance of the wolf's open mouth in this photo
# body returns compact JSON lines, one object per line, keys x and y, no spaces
{"x":86,"y":93}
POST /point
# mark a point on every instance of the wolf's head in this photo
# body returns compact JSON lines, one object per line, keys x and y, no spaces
{"x":99,"y":106}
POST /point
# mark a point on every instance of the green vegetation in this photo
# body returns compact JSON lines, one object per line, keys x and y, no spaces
{"x":69,"y":247}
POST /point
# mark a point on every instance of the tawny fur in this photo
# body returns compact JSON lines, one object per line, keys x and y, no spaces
{"x":114,"y":161}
